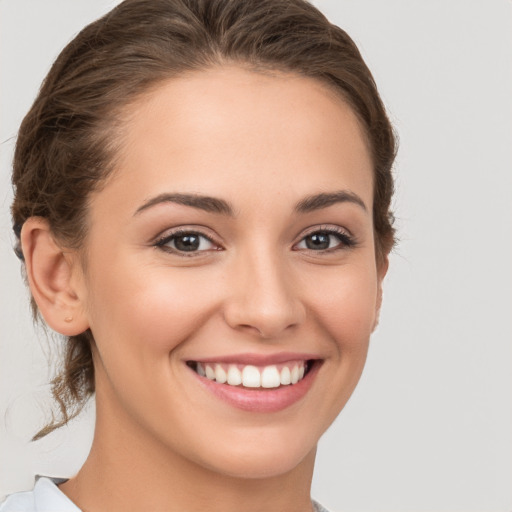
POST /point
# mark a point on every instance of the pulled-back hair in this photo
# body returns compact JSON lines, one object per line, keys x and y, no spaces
{"x":67,"y":144}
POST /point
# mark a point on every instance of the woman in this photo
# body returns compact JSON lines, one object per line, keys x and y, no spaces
{"x":202,"y":202}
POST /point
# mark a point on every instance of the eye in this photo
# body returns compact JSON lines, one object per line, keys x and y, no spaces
{"x":186,"y":242}
{"x":326,"y":240}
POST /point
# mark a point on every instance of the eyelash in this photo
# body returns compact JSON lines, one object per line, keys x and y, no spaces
{"x":346,"y":241}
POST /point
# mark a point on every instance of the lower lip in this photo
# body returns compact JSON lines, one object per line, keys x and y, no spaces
{"x":258,"y":400}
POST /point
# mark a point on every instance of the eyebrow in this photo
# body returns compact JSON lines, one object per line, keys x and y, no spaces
{"x":220,"y":206}
{"x":206,"y":203}
{"x":324,"y":200}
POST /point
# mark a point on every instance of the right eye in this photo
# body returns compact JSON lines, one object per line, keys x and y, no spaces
{"x":186,"y":242}
{"x":327,"y":240}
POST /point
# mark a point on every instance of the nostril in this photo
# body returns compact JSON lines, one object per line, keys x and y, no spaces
{"x":265,"y":332}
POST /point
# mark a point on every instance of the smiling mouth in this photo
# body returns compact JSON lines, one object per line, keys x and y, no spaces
{"x":254,"y":377}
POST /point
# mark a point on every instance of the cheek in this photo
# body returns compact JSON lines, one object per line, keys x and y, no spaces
{"x":345,"y":302}
{"x":151,"y":311}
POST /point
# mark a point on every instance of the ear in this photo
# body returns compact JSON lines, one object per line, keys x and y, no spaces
{"x":382,"y":270}
{"x":50,"y":271}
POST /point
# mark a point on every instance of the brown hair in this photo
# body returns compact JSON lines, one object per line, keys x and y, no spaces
{"x":66,"y":145}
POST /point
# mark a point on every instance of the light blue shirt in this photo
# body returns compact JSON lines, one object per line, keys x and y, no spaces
{"x":47,"y":497}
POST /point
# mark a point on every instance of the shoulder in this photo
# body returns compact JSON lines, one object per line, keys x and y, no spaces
{"x":45,"y":497}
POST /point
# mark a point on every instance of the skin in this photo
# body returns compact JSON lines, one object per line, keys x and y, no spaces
{"x":262,"y":142}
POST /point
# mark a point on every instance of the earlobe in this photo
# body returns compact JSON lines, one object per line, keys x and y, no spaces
{"x":49,"y":273}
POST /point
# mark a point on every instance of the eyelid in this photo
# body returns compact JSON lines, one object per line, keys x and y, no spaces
{"x":184,"y":229}
{"x":332,"y":228}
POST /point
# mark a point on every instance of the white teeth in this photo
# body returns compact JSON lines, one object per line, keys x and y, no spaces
{"x":210,"y":374}
{"x":251,"y":377}
{"x":270,"y":377}
{"x":294,"y":375}
{"x":220,"y":374}
{"x":234,"y":376}
{"x":286,"y":377}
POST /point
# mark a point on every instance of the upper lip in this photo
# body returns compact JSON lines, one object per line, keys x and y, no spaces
{"x":257,"y":359}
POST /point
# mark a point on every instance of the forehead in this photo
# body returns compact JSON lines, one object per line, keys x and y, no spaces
{"x":226,"y":129}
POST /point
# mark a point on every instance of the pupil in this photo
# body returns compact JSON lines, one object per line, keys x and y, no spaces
{"x":187,"y":242}
{"x":318,"y":241}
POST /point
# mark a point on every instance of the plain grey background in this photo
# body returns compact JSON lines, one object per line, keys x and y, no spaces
{"x":430,"y":426}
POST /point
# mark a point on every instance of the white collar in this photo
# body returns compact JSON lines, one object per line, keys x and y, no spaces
{"x":49,"y":498}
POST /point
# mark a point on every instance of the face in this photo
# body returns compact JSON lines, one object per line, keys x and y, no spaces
{"x":234,"y":242}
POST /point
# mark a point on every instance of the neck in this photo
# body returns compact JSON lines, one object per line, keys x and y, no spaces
{"x":128,"y":471}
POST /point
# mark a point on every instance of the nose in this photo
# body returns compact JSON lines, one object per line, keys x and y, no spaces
{"x":263,"y":297}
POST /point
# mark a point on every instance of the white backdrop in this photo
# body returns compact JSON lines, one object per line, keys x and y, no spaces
{"x":430,"y":426}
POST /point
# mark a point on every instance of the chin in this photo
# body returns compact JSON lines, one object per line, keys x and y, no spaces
{"x":261,"y":458}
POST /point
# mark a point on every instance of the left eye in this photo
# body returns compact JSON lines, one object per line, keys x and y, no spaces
{"x":323,"y":240}
{"x":186,"y":242}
